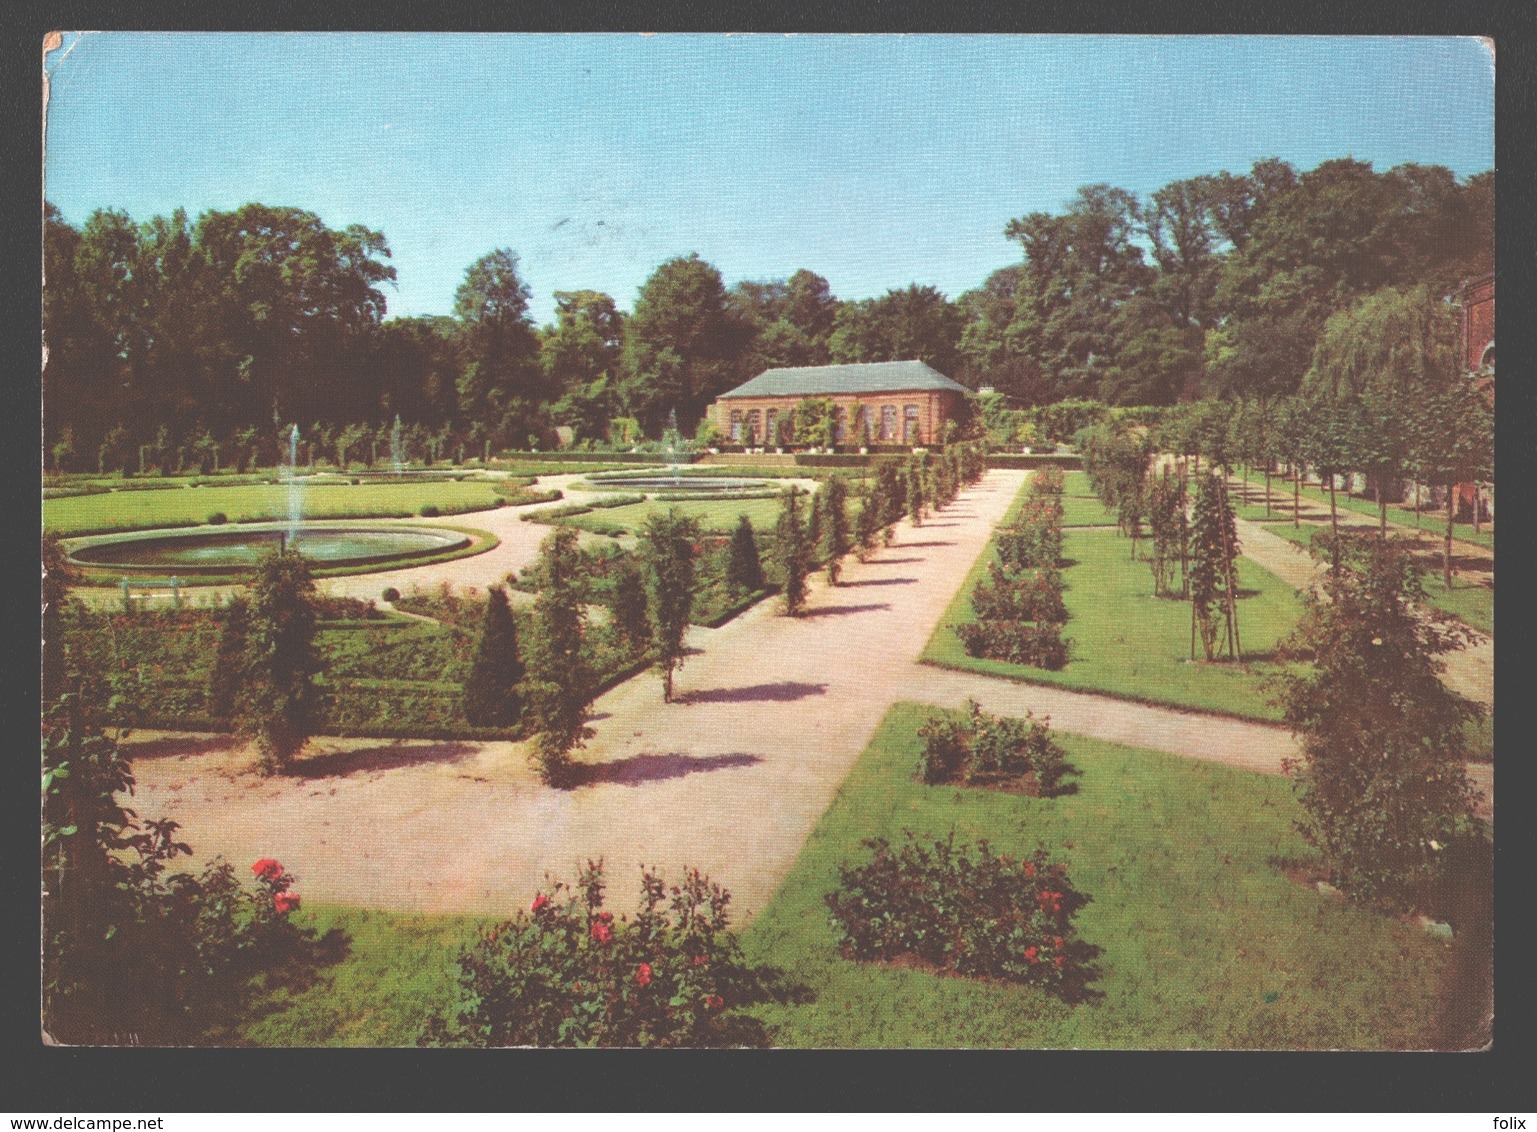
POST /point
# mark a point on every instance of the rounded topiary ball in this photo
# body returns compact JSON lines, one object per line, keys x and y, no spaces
{"x":390,"y":594}
{"x":217,"y":518}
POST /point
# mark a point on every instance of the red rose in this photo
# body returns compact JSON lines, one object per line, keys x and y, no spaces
{"x":285,"y":902}
{"x":1057,"y":962}
{"x":715,"y":1002}
{"x":1030,"y":953}
{"x":1057,"y":942}
{"x":540,"y":901}
{"x":602,"y":932}
{"x":1029,"y":869}
{"x":700,"y":960}
{"x":267,"y":869}
{"x":643,"y":974}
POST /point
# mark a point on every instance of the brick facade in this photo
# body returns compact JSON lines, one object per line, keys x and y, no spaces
{"x":1477,"y":322}
{"x":734,"y":416}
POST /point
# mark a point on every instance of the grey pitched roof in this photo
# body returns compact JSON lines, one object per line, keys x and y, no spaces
{"x":863,"y":377}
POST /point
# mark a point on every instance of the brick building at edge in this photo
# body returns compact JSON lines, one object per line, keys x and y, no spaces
{"x":873,"y":402}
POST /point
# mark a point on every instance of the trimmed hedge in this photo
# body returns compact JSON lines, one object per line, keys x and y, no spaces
{"x":1018,"y":461}
{"x":599,"y":457}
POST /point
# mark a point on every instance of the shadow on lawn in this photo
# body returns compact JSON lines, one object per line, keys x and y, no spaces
{"x":639,"y":769}
{"x":783,"y":692}
{"x":339,"y":764}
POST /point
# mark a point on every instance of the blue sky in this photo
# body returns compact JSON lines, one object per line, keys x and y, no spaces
{"x":876,"y":161}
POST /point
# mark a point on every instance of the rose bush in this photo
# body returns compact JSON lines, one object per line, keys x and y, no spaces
{"x":986,"y":915}
{"x":569,"y":973}
{"x":991,"y":750}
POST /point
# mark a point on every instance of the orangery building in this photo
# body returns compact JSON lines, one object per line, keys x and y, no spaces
{"x":873,"y":403}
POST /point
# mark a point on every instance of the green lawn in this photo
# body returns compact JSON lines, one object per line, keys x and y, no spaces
{"x":142,"y":510}
{"x":1127,"y":643}
{"x":717,"y":516}
{"x":1314,"y":497}
{"x":1080,"y":506}
{"x":1206,"y":944}
{"x":398,"y":968}
{"x":1471,"y":601}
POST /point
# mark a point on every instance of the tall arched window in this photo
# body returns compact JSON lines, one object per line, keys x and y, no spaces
{"x":771,"y":427}
{"x":736,"y":424}
{"x":888,"y":422}
{"x":753,"y":421}
{"x":910,"y":432}
{"x":841,"y":425}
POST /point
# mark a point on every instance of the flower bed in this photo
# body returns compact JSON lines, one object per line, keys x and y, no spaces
{"x":1021,"y":612}
{"x":569,"y":973}
{"x":981,"y":916}
{"x":990,"y":750}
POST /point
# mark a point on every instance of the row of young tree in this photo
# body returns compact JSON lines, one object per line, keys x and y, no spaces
{"x":1382,"y":778}
{"x":178,"y":338}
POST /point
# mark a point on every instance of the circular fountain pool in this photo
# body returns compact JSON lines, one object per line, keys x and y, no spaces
{"x":224,"y":552}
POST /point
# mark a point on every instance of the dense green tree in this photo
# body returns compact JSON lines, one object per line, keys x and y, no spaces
{"x":1382,"y":777}
{"x":631,"y":622}
{"x":667,"y":547}
{"x":916,"y":500}
{"x":792,"y":552}
{"x":790,"y":321}
{"x":501,"y":379}
{"x":585,"y":343}
{"x":1080,"y":267}
{"x":1261,"y":356}
{"x":491,"y":689}
{"x":680,"y":344}
{"x":295,"y":302}
{"x":916,"y":323}
{"x":559,"y":685}
{"x":414,"y":367}
{"x":227,"y":678}
{"x":834,"y":533}
{"x":278,"y":697}
{"x":744,"y":568}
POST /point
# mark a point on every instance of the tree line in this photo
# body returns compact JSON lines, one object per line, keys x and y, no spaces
{"x":174,"y":342}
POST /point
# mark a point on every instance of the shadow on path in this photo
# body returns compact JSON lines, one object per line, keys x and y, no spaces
{"x":915,"y":545}
{"x":843,"y":610}
{"x":783,"y":692}
{"x":338,"y":764}
{"x":174,"y":746}
{"x":894,"y":561}
{"x":879,"y":582}
{"x":639,"y":769}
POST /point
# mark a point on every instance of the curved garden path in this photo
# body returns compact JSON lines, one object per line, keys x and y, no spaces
{"x":731,"y":780}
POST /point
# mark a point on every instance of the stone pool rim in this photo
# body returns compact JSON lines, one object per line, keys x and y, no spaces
{"x":447,"y":541}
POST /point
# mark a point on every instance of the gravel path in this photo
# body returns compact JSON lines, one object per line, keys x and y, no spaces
{"x":1469,"y":671}
{"x":731,"y":780}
